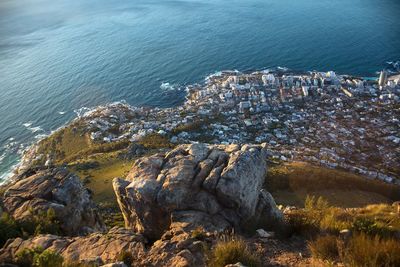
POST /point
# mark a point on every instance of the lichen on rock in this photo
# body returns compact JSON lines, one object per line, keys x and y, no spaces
{"x":215,"y":187}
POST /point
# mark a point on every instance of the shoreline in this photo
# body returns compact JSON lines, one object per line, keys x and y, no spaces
{"x":189,"y":91}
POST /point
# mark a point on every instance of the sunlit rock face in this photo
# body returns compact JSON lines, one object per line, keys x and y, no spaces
{"x":58,"y":190}
{"x":216,"y":187}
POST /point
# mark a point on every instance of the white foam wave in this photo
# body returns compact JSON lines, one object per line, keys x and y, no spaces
{"x":61,"y":112}
{"x":165,"y":86}
{"x":28,"y":125}
{"x":284,"y":69}
{"x":6,"y":175}
{"x":10,"y":146}
{"x":41,"y":136}
{"x":2,"y":157}
{"x":81,"y":111}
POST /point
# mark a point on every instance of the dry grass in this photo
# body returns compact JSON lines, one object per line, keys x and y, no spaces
{"x":325,"y":248}
{"x":72,"y":143}
{"x":290,"y":183}
{"x":99,"y":179}
{"x":65,"y":142}
{"x":231,"y":252}
{"x":198,"y":233}
{"x":360,"y":250}
{"x":319,"y":216}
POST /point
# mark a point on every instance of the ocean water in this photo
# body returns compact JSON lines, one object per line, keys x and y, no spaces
{"x":58,"y":56}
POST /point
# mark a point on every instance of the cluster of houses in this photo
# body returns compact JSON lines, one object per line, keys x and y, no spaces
{"x":335,"y":120}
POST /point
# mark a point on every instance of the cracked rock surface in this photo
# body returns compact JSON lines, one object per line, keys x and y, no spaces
{"x":55,"y":189}
{"x":94,"y":248}
{"x":213,"y":186}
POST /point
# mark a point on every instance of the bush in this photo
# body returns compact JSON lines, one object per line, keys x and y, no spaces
{"x":373,"y":227}
{"x":41,"y":222}
{"x":198,"y":233}
{"x":37,"y":257}
{"x":8,"y":228}
{"x":24,"y":258}
{"x":312,"y":203}
{"x":308,"y":221}
{"x":231,"y":252}
{"x":48,"y":258}
{"x":304,"y":223}
{"x":126,"y":257}
{"x":324,"y":247}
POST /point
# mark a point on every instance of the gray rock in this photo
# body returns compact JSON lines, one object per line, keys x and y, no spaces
{"x":264,"y":234}
{"x":95,"y":248}
{"x":55,"y":189}
{"x":241,"y":181}
{"x":195,"y":185}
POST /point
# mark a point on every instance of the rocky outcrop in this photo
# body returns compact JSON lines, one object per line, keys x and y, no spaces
{"x":96,"y":248}
{"x":55,"y":189}
{"x":175,"y":248}
{"x":216,"y":187}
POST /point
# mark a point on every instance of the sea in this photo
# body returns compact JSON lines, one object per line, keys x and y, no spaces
{"x":59,"y":56}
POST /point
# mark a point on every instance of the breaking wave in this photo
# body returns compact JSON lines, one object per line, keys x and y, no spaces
{"x":165,"y":86}
{"x":34,"y":129}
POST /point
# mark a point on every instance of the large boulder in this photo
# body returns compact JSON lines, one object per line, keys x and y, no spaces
{"x":216,"y":187}
{"x":55,"y":189}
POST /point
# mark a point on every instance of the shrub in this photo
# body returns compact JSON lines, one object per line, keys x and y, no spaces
{"x":373,"y":227}
{"x":303,"y":223}
{"x":334,"y":220}
{"x":46,"y":223}
{"x":198,"y":233}
{"x":231,"y":252}
{"x":37,"y":257}
{"x":41,"y":222}
{"x":24,"y":258}
{"x":308,"y":221}
{"x":126,"y":257}
{"x":48,"y":258}
{"x":311,"y":203}
{"x":324,"y":247}
{"x":8,"y":228}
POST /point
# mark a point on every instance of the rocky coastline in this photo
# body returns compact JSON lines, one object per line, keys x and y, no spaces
{"x":195,"y":174}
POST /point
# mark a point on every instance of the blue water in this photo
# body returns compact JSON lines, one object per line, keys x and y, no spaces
{"x":57,"y":56}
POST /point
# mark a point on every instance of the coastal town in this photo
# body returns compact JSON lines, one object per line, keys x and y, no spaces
{"x":338,"y":121}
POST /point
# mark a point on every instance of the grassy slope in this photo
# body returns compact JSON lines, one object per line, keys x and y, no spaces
{"x":290,"y":183}
{"x":99,"y":177}
{"x":95,"y":164}
{"x":65,"y":143}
